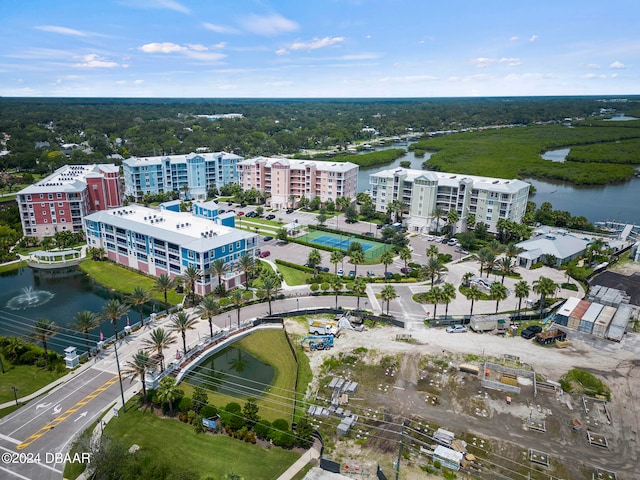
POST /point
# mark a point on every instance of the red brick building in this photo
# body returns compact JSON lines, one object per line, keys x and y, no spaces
{"x":60,"y":201}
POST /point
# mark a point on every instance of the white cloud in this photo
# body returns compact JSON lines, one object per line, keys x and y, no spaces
{"x":61,"y":30}
{"x":157,"y":4}
{"x":617,"y":64}
{"x":514,"y":38}
{"x":533,"y":38}
{"x":593,"y":65}
{"x":360,"y":56}
{"x":94,"y":61}
{"x":195,"y":51}
{"x":220,"y":28}
{"x":595,"y":75}
{"x":511,"y":62}
{"x":316,"y":43}
{"x":269,"y":24}
{"x":138,"y":82}
{"x":484,"y":62}
{"x":282,"y":51}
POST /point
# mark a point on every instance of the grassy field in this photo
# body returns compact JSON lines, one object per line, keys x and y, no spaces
{"x":124,"y":280}
{"x":293,"y":276}
{"x":12,"y":266}
{"x":210,"y":455}
{"x":26,"y":378}
{"x":268,"y":346}
{"x":515,"y":153}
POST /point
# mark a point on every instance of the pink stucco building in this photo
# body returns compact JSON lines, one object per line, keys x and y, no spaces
{"x":285,"y":179}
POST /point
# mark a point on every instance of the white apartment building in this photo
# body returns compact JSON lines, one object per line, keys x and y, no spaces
{"x":284,"y":178}
{"x":156,"y":242}
{"x":190,"y":175}
{"x":489,"y":199}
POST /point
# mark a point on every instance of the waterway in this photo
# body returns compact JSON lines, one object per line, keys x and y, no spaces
{"x":615,"y":202}
{"x":232,"y":372}
{"x":29,"y":294}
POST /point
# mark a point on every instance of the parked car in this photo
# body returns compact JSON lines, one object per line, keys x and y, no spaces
{"x":267,"y":238}
{"x":291,"y":210}
{"x":456,"y":329}
{"x":251,"y":215}
{"x":271,"y":216}
{"x":369,"y":234}
{"x":240,"y":214}
{"x":324,"y":269}
{"x":388,"y":274}
{"x":352,"y":273}
{"x":340,"y":272}
{"x":222,"y":210}
{"x":371,"y":274}
{"x":264,"y":254}
{"x":379,"y":226}
{"x":430,"y":238}
{"x":530,"y":332}
{"x":452,"y":242}
{"x":229,"y":204}
{"x":462,"y":251}
{"x":406,"y":270}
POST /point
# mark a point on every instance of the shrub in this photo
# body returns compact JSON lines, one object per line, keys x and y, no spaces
{"x":280,"y":424}
{"x":28,"y":358}
{"x":263,"y":428}
{"x":185,"y":405}
{"x":282,"y":439}
{"x":208,"y":411}
{"x":314,"y":287}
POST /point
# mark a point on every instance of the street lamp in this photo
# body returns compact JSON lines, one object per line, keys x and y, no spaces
{"x":115,"y":346}
{"x":229,"y":320}
{"x":15,"y":393}
{"x":297,"y":304}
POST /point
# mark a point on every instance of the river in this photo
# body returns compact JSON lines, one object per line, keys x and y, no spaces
{"x":616,"y":202}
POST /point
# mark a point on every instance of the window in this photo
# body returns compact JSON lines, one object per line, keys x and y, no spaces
{"x":60,"y":204}
{"x":44,"y":212}
{"x":61,"y":212}
{"x":28,"y":197}
{"x":58,"y":195}
{"x":50,"y":196}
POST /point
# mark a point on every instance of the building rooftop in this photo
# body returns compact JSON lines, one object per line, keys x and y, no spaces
{"x":454,"y":179}
{"x":157,"y":160}
{"x":185,"y":229}
{"x":70,"y":178}
{"x":327,"y":166}
{"x":560,"y":246}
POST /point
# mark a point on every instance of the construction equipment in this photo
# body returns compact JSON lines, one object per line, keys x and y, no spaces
{"x":551,"y":336}
{"x":317,"y":342}
{"x":323,"y":327}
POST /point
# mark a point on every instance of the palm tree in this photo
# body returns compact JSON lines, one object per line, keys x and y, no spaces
{"x":85,"y":321}
{"x":473,"y":294}
{"x":192,"y":275}
{"x":432,"y":251}
{"x":498,"y":292}
{"x":113,"y":310}
{"x":313,"y":260}
{"x":208,"y":309}
{"x":138,"y":298}
{"x":247,"y":264}
{"x":434,"y":267}
{"x":544,"y":287}
{"x":487,"y":259}
{"x":512,"y":251}
{"x":434,"y":296}
{"x":356,"y":258}
{"x":438,"y":213}
{"x":387,"y":294}
{"x":405,"y":255}
{"x":137,"y":367}
{"x":387,"y":259}
{"x":159,"y":341}
{"x":219,"y":267}
{"x":164,"y":283}
{"x":42,"y":331}
{"x":505,"y":265}
{"x":336,"y":285}
{"x":448,"y":294}
{"x":237,"y":299}
{"x":452,"y":219}
{"x":359,"y":287}
{"x":336,"y":258}
{"x":466,"y":278}
{"x":522,"y":291}
{"x":180,"y":323}
{"x":168,"y":391}
{"x":271,"y":284}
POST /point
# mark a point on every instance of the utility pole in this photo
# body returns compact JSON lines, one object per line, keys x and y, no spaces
{"x":15,"y":393}
{"x":400,"y":450}
{"x":115,"y":346}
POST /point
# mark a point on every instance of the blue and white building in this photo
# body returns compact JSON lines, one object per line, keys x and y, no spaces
{"x":156,"y":242}
{"x":195,"y":172}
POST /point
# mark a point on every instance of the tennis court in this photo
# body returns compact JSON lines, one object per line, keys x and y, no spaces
{"x":342,"y":242}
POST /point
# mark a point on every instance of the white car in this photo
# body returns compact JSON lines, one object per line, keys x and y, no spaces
{"x":340,"y":272}
{"x":456,"y":329}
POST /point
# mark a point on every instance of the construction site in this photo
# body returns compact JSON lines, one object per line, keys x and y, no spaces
{"x":430,"y":403}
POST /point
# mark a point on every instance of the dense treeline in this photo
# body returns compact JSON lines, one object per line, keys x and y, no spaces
{"x":270,"y":127}
{"x":515,"y":152}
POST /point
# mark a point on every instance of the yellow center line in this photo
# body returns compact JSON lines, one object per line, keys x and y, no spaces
{"x":67,"y":413}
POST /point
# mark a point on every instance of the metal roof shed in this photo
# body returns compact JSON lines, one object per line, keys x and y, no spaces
{"x":603,"y":321}
{"x":619,"y":323}
{"x":448,"y":458}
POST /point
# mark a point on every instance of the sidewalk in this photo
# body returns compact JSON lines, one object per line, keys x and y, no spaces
{"x":312,"y":454}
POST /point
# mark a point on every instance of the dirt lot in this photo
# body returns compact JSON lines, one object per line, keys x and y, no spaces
{"x":419,"y":381}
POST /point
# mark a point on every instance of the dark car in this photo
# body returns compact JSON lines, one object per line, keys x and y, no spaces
{"x":369,"y":234}
{"x":270,"y":217}
{"x":267,"y":238}
{"x":229,"y":204}
{"x":379,"y":226}
{"x":388,"y":274}
{"x":324,"y":269}
{"x":291,"y":210}
{"x":251,"y":214}
{"x":406,"y":270}
{"x":530,"y":332}
{"x":352,"y":273}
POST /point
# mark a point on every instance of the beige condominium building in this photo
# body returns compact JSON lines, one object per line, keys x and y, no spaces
{"x":489,"y":199}
{"x":289,"y":180}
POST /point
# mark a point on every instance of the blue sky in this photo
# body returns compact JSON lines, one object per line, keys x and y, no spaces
{"x":319,"y":48}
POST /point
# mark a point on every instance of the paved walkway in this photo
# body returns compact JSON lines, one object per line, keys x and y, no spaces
{"x":312,"y":454}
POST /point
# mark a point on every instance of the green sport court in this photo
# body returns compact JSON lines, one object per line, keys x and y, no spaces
{"x":370,"y":249}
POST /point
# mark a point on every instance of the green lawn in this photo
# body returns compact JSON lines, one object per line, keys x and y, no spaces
{"x":12,"y":266}
{"x":210,"y":455}
{"x":124,"y":280}
{"x":268,"y":346}
{"x":26,"y":378}
{"x":293,"y":276}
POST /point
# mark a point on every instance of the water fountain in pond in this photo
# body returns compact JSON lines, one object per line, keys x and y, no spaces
{"x":29,"y":298}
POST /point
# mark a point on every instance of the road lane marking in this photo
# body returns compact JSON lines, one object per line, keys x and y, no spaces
{"x":9,"y":439}
{"x":36,"y":463}
{"x":66,"y":414}
{"x":17,"y":475}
